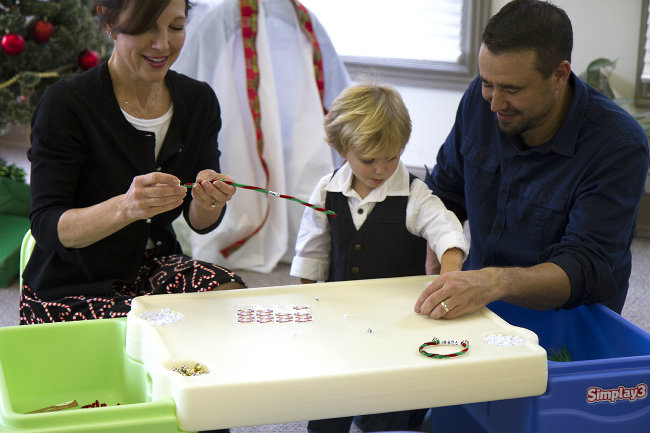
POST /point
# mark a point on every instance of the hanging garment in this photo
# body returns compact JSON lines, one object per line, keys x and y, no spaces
{"x":259,"y":231}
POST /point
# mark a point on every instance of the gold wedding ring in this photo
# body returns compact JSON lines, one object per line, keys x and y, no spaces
{"x":446,"y":308}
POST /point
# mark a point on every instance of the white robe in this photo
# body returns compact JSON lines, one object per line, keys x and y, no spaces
{"x":291,"y":119}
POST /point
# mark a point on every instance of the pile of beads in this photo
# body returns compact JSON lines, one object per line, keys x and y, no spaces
{"x":503,"y":340}
{"x":165,"y":316}
{"x":184,"y":370}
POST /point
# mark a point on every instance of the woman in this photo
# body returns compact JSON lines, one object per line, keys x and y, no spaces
{"x":110,"y":151}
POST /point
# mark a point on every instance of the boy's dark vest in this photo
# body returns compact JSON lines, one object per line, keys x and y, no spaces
{"x":381,"y":248}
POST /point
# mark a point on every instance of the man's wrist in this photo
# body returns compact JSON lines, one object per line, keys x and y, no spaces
{"x":500,"y":282}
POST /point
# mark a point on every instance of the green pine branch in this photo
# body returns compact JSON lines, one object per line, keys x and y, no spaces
{"x":75,"y":30}
{"x":12,"y":171}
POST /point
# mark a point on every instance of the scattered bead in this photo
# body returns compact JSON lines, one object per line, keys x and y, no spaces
{"x":165,"y":316}
{"x":503,"y":340}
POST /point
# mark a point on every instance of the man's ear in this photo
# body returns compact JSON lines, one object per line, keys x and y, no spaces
{"x":562,"y":73}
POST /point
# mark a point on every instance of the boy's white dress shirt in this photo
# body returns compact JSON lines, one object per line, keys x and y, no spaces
{"x":426,"y":216}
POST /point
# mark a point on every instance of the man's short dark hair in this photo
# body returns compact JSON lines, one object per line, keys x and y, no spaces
{"x":523,"y":25}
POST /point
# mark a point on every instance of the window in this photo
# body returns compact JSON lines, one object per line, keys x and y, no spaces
{"x":413,"y":39}
{"x":642,"y":95}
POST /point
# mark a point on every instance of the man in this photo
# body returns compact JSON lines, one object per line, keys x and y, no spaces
{"x":548,"y":171}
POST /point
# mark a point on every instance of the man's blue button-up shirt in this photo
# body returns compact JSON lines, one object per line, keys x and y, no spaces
{"x":572,"y":201}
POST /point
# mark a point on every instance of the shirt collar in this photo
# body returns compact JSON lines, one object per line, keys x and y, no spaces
{"x":565,"y":139}
{"x":396,"y":185}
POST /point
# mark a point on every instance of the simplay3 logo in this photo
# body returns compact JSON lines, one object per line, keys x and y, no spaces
{"x":596,"y":394}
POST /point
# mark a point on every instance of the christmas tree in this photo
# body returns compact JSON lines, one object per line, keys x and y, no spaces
{"x":43,"y":41}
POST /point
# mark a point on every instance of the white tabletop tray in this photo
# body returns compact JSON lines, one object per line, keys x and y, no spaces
{"x":290,"y":353}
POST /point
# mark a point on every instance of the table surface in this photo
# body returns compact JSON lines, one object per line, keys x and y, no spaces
{"x":291,"y":353}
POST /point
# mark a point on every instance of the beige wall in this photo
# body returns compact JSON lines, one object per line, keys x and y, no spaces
{"x":603,"y":28}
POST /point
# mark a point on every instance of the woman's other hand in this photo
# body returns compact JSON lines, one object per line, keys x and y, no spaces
{"x":209,"y":197}
{"x":152,"y":194}
{"x":209,"y":193}
{"x":148,"y":195}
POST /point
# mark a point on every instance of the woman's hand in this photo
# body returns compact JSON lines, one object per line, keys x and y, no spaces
{"x":209,"y":198}
{"x":152,"y":194}
{"x":209,"y":193}
{"x":148,"y":195}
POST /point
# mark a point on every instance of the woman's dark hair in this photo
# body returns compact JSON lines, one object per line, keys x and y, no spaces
{"x":142,"y":14}
{"x":523,"y":25}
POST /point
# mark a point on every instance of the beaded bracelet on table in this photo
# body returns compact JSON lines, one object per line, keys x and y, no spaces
{"x":436,"y":342}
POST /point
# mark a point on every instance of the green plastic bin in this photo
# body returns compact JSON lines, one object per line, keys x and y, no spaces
{"x":49,"y":364}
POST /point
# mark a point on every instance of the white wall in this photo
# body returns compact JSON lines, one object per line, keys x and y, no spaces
{"x":602,"y":28}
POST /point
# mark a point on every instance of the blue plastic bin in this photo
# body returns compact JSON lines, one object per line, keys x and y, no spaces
{"x":604,"y":388}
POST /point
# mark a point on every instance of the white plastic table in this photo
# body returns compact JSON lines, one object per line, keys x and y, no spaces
{"x":291,"y":353}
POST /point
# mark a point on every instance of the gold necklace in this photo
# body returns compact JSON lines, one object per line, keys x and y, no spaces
{"x":139,"y":113}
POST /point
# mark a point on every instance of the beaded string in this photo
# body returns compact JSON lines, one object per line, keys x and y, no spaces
{"x":273,"y":194}
{"x":435,"y":342}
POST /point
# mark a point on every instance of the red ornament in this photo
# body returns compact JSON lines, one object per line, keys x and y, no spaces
{"x":12,"y":44}
{"x":41,"y":31}
{"x":88,"y":59}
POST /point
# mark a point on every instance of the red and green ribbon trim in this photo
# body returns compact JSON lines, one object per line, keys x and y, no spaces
{"x":317,"y":56}
{"x":249,"y":25}
{"x":249,"y":10}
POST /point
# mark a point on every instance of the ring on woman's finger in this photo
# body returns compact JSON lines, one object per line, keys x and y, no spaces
{"x":445,"y":307}
{"x":213,"y":205}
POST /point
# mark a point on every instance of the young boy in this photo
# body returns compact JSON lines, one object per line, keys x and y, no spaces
{"x":385,"y":216}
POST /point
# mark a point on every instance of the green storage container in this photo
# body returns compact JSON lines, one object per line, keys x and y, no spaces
{"x":49,"y":364}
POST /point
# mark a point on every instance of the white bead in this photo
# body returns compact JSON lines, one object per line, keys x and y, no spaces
{"x":503,"y":340}
{"x":165,"y":316}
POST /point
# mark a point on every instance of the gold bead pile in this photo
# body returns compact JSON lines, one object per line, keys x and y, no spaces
{"x":184,"y":370}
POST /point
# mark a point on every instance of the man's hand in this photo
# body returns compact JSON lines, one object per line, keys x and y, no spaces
{"x":463,"y":292}
{"x":539,"y":287}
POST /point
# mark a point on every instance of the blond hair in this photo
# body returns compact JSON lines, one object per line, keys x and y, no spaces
{"x":368,"y":119}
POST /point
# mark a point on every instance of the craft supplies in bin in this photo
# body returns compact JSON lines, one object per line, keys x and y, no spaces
{"x":604,"y":388}
{"x":75,"y":377}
